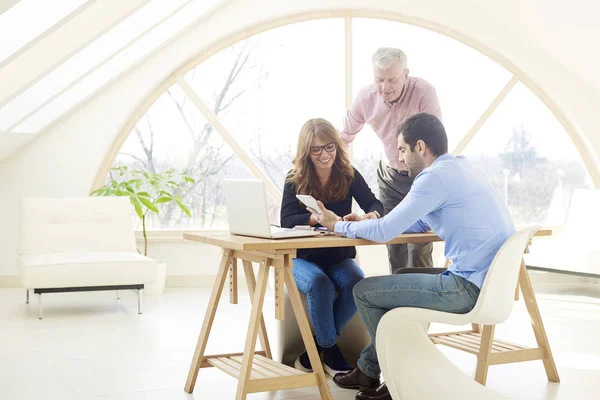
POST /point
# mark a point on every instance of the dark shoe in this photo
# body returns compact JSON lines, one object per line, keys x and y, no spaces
{"x":334,"y":362}
{"x":381,"y":393}
{"x":355,"y":379}
{"x":302,"y":363}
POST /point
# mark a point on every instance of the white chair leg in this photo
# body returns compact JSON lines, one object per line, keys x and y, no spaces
{"x":27,"y":296}
{"x":118,"y":296}
{"x":140,"y":298}
{"x":40,"y":309}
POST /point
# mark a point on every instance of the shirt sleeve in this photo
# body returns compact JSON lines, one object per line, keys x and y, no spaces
{"x":426,"y":195}
{"x":353,"y":121}
{"x":291,"y":212}
{"x":364,"y":196}
{"x":430,"y":104}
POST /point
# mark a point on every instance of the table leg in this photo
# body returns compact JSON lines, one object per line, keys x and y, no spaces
{"x":279,"y":292}
{"x":537,"y":324}
{"x":302,"y":320}
{"x":262,"y":333}
{"x":209,"y":317}
{"x":253,"y":327}
{"x":233,"y":285}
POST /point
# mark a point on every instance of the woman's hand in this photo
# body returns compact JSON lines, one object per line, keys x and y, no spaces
{"x":371,"y":215}
{"x":355,"y":217}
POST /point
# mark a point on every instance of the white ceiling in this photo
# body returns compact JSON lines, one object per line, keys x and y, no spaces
{"x":54,"y":55}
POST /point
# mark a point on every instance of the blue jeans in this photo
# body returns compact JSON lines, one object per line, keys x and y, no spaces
{"x":328,"y":314}
{"x":377,"y":295}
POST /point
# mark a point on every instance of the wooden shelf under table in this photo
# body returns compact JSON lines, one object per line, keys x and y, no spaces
{"x":265,"y":375}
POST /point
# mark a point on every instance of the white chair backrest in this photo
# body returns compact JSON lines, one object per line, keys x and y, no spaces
{"x":59,"y":225}
{"x":497,"y":295}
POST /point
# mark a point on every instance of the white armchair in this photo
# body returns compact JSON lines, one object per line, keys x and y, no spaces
{"x":407,"y":356}
{"x":80,"y":244}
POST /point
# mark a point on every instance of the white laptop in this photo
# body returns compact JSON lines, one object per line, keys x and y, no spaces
{"x":248,"y":214}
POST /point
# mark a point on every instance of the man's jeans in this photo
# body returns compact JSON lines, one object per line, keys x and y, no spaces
{"x":377,"y":295}
{"x":393,"y":187}
{"x":328,"y":314}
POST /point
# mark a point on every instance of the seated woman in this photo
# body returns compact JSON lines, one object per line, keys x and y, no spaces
{"x":322,"y":169}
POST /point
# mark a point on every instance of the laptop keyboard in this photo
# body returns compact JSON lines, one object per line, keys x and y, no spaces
{"x":276,"y":230}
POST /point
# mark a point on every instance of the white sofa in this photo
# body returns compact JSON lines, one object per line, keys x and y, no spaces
{"x":80,"y":244}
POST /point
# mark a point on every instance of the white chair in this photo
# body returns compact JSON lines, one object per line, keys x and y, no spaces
{"x":80,"y":244}
{"x":407,"y":356}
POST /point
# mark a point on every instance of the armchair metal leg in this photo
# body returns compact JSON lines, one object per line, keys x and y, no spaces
{"x":27,"y":296}
{"x":140,"y":298}
{"x":40,"y":309}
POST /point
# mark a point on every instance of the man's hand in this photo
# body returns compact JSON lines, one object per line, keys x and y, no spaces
{"x":326,"y":218}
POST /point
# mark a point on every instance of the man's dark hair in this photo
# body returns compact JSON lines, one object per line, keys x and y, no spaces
{"x":425,"y":127}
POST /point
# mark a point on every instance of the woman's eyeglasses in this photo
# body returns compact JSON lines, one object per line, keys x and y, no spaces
{"x":317,"y":150}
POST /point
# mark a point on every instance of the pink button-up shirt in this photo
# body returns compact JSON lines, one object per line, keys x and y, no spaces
{"x":368,"y":107}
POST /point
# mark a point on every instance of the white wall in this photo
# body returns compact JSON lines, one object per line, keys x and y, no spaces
{"x":535,"y":35}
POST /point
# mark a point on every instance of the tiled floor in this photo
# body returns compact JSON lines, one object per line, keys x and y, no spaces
{"x":91,"y":346}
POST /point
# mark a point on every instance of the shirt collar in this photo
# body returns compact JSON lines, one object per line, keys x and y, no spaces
{"x":443,"y":157}
{"x":399,"y":99}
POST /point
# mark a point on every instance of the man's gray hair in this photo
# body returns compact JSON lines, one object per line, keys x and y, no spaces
{"x":384,"y":57}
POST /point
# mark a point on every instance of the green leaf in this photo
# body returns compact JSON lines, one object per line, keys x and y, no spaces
{"x":138,"y":207}
{"x":148,"y":204}
{"x":163,"y":199}
{"x":123,"y":193}
{"x":185,"y":209}
{"x":179,"y":202}
{"x":144,"y":194}
{"x":189,"y":179}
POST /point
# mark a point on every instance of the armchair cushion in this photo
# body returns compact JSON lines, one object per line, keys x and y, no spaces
{"x":80,"y":269}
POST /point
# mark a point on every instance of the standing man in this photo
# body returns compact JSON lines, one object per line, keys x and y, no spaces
{"x":384,"y":105}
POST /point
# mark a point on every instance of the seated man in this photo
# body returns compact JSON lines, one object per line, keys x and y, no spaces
{"x":448,"y":197}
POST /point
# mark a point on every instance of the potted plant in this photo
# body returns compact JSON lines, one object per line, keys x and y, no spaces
{"x":148,"y":193}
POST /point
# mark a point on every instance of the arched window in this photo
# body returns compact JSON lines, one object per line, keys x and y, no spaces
{"x":237,"y":114}
{"x":527,"y":156}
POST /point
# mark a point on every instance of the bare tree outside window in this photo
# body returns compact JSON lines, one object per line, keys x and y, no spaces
{"x":207,"y":158}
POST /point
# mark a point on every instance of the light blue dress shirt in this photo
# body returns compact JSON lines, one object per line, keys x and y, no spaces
{"x":458,"y":205}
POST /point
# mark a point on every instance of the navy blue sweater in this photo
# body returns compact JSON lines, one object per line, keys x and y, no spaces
{"x":293,"y":213}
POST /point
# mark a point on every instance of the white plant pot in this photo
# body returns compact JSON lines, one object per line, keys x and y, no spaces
{"x":156,"y":288}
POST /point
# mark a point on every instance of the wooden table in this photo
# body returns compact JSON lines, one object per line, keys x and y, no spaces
{"x":256,"y":371}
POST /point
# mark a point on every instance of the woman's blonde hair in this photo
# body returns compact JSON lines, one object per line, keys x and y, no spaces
{"x":303,"y":174}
